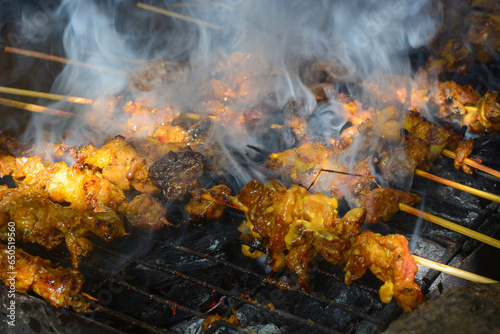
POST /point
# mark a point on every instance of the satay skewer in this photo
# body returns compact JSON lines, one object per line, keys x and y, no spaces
{"x":177,"y":15}
{"x":58,"y":97}
{"x":429,"y":217}
{"x":37,"y":108}
{"x":449,"y":154}
{"x":449,"y":225}
{"x":45,"y":56}
{"x":452,"y":270}
{"x":422,"y":261}
{"x":472,"y":163}
{"x":458,"y":186}
{"x":49,"y":96}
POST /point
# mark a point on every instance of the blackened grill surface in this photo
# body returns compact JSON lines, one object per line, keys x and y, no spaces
{"x":170,"y":280}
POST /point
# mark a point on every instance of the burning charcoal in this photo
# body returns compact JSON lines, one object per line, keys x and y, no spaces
{"x":177,"y":173}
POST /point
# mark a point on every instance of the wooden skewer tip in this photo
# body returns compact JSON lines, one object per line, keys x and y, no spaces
{"x":458,"y":186}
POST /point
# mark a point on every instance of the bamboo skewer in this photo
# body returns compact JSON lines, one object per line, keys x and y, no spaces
{"x":37,"y":108}
{"x":452,"y":270}
{"x":49,"y":96}
{"x":449,"y":225}
{"x":57,"y":97}
{"x":135,"y":62}
{"x":177,"y":15}
{"x":458,"y":186}
{"x":419,"y":260}
{"x":472,"y":163}
{"x":63,"y":60}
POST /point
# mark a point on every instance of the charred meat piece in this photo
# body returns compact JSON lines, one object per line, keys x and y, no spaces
{"x":15,"y":147}
{"x":177,"y":173}
{"x":59,"y":286}
{"x":146,"y":211}
{"x":200,"y":209}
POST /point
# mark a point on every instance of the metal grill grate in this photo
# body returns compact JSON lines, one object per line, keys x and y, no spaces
{"x":170,"y":280}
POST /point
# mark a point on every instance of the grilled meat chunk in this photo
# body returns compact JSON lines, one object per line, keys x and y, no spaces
{"x":464,"y":149}
{"x":271,"y":211}
{"x":200,"y":209}
{"x":487,"y":115}
{"x":78,"y":185}
{"x":59,"y":286}
{"x":177,"y":173}
{"x":146,"y":211}
{"x":118,"y":162}
{"x":39,"y":220}
{"x":295,"y":226}
{"x":382,"y":203}
{"x":436,"y":137}
{"x":390,"y":260}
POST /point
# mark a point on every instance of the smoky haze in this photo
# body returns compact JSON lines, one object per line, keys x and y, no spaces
{"x":363,"y":37}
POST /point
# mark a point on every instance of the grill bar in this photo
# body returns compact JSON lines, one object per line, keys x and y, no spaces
{"x":282,"y":285}
{"x":132,"y":321}
{"x":281,"y":314}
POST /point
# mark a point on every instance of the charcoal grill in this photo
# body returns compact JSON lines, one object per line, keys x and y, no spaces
{"x":168,"y":281}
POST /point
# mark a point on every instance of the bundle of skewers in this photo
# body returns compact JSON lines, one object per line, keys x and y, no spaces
{"x":64,"y":193}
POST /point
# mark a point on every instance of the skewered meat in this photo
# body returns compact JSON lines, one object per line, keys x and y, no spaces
{"x":151,"y":74}
{"x":452,"y":102}
{"x":390,"y":260}
{"x":464,"y":149}
{"x":452,"y":99}
{"x":118,"y":162}
{"x":271,"y":210}
{"x":177,"y":173}
{"x":295,"y":226}
{"x":301,"y":166}
{"x":59,"y":286}
{"x":39,"y":220}
{"x":471,"y":35}
{"x":78,"y":185}
{"x":400,"y":163}
{"x":436,"y":137}
{"x":382,"y":203}
{"x":200,"y":209}
{"x":487,"y":115}
{"x":146,"y":211}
